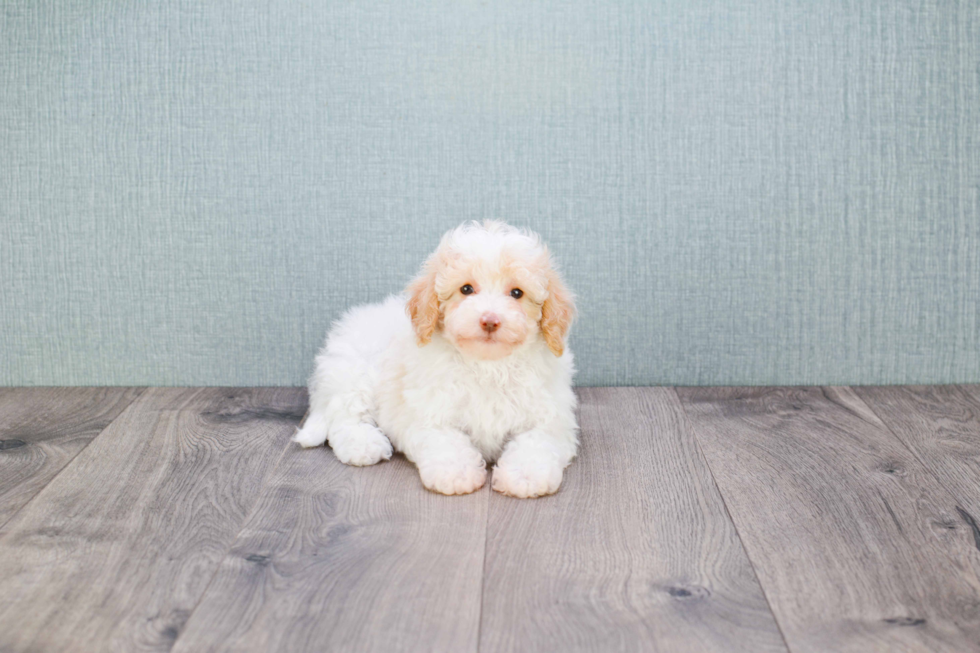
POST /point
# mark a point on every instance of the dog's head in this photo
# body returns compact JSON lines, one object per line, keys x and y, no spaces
{"x":489,"y":289}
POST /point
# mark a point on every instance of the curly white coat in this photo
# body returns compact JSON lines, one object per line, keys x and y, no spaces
{"x":424,"y":371}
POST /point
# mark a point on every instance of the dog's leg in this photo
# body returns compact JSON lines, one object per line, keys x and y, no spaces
{"x":532,"y":463}
{"x":341,"y":410}
{"x":358,"y":443}
{"x":448,"y":463}
{"x":314,"y":431}
{"x":345,"y":423}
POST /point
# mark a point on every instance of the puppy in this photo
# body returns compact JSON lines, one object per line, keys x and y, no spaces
{"x":469,"y":366}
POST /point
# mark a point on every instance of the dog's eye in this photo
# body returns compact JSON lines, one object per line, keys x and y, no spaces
{"x":467,"y":289}
{"x":516,"y":293}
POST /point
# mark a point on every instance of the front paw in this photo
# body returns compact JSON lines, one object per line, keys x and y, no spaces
{"x":526,"y":478}
{"x":458,"y":475}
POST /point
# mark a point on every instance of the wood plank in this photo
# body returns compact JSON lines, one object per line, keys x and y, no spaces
{"x":941,"y":426}
{"x":43,"y":429}
{"x":116,"y":551}
{"x":635,"y":552}
{"x":858,"y":547}
{"x":339,"y":558}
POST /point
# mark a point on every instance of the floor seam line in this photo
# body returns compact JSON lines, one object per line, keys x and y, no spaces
{"x":728,"y":513}
{"x":483,"y":575}
{"x":142,"y":390}
{"x":234,"y":540}
{"x":915,"y":456}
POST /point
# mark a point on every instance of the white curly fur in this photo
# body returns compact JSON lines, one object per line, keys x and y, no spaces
{"x":421,"y":372}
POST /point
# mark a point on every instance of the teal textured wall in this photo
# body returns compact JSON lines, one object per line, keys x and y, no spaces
{"x":741,"y":192}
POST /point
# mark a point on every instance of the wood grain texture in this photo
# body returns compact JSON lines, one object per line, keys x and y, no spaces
{"x":636,"y":551}
{"x":339,"y":558}
{"x":43,"y":429}
{"x":858,"y":547}
{"x":941,"y":426}
{"x":115,"y":552}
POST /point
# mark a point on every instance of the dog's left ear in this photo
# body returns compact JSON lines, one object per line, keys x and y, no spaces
{"x":557,"y":313}
{"x":423,"y":304}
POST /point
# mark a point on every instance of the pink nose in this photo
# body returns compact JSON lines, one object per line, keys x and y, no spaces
{"x":490,"y":322}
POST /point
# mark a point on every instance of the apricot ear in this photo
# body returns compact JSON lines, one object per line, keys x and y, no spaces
{"x":557,"y":313}
{"x":423,"y":305}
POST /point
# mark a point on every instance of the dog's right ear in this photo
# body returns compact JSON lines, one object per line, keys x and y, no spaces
{"x":423,"y":304}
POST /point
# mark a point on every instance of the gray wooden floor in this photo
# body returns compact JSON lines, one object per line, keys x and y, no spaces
{"x":694,"y":519}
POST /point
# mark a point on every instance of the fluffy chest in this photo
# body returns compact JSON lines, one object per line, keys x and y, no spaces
{"x":490,"y":414}
{"x":490,"y":402}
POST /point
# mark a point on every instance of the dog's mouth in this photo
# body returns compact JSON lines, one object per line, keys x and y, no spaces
{"x":490,"y":345}
{"x":484,"y":340}
{"x":482,"y":337}
{"x":493,"y":339}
